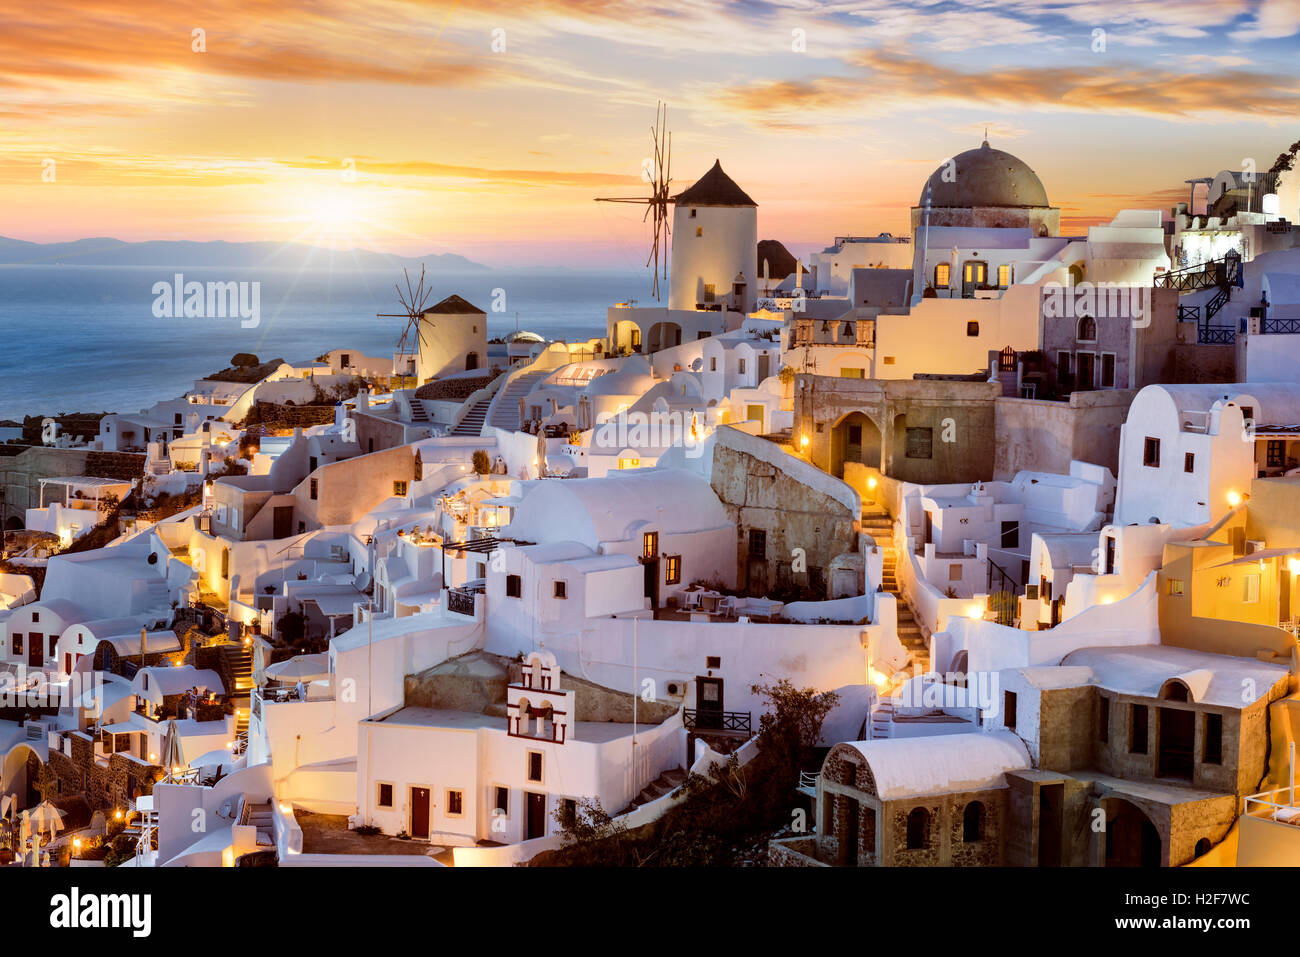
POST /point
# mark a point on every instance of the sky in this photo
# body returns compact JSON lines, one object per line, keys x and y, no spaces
{"x":488,"y":128}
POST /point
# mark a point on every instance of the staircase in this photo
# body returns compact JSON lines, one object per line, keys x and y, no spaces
{"x":239,"y":666}
{"x":882,"y":719}
{"x":504,"y":412}
{"x":472,"y":424}
{"x":418,"y":415}
{"x":658,"y":787}
{"x":877,"y":525}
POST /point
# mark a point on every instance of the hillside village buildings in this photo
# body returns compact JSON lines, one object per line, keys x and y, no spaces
{"x":1023,"y":499}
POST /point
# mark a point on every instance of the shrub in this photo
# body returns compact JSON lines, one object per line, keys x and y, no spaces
{"x":482,"y":464}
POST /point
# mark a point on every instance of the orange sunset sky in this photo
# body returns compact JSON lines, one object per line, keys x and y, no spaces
{"x":830,"y":115}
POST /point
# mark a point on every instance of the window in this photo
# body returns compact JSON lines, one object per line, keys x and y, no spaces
{"x":561,"y":589}
{"x":740,"y":366}
{"x":918,"y":829}
{"x":1010,"y":534}
{"x":849,"y":373}
{"x":399,"y":489}
{"x":673,"y":570}
{"x":712,"y":662}
{"x":535,"y":767}
{"x":693,"y":212}
{"x":920,"y":443}
{"x":1108,"y":370}
{"x":312,"y":464}
{"x":713,"y":363}
{"x":941,"y":274}
{"x":954,"y":573}
{"x":889,"y":360}
{"x":1151,"y":452}
{"x":1009,"y":710}
{"x":1087,"y":331}
{"x":1063,"y":369}
{"x":699,"y":231}
{"x":972,"y":328}
{"x":1176,"y":587}
{"x":36,"y":618}
{"x":1137,"y":743}
{"x":1212,"y":752}
{"x":455,"y":803}
{"x":514,"y":586}
{"x":313,"y":489}
{"x":1275,"y":451}
{"x":1004,"y":276}
{"x":54,"y":641}
{"x":972,"y":823}
{"x":1250,"y":589}
{"x":1103,"y":718}
{"x":501,"y":800}
{"x":649,"y":544}
{"x":1189,"y":462}
{"x":757,"y":544}
{"x":18,"y":647}
{"x":975,"y":273}
{"x":385,"y":796}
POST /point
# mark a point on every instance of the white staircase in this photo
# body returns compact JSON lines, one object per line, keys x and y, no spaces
{"x":504,"y":411}
{"x":472,"y":423}
{"x":882,"y":719}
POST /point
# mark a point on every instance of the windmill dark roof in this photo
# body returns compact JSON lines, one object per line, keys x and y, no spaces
{"x":714,"y":188}
{"x":453,"y":305}
{"x":780,"y":261}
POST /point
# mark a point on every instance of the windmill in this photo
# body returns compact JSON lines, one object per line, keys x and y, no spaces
{"x":413,"y":302}
{"x":657,"y":203}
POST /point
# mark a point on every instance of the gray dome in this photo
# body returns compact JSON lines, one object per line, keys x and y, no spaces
{"x":985,"y":177}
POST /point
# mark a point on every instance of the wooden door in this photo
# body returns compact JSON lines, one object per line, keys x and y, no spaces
{"x":283,"y":519}
{"x":652,"y":581}
{"x":536,"y":819}
{"x":35,"y":650}
{"x":420,"y":813}
{"x":708,"y":703}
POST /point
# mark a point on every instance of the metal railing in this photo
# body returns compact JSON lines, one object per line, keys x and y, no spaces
{"x":461,"y":601}
{"x":1189,"y":313}
{"x":696,"y":720}
{"x":1216,"y":335}
{"x":808,"y":779}
{"x":1278,"y":325}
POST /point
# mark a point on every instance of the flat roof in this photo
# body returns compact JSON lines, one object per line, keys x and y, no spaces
{"x":417,"y":716}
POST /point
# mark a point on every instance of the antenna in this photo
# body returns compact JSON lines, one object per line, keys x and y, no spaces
{"x":657,"y":203}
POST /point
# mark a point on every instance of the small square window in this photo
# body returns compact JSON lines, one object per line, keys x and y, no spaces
{"x":385,"y":796}
{"x":535,"y":767}
{"x":699,"y":230}
{"x":712,"y":662}
{"x":514,"y":586}
{"x":954,"y":573}
{"x":1175,"y":587}
{"x":561,"y":589}
{"x":455,"y":803}
{"x":972,"y":328}
{"x":693,"y":212}
{"x":399,"y":489}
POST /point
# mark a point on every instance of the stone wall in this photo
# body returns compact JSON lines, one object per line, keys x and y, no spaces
{"x":274,"y":416}
{"x":1044,"y":435}
{"x":758,"y":494}
{"x":106,"y":786}
{"x":22,"y":470}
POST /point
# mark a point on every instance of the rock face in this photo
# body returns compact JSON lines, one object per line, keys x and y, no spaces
{"x":477,"y":682}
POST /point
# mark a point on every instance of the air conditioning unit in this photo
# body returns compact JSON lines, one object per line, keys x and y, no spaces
{"x":1254,"y":546}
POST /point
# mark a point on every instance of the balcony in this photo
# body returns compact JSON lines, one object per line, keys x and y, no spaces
{"x":726,"y":722}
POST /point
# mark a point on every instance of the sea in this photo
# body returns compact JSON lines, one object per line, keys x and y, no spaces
{"x":85,"y":338}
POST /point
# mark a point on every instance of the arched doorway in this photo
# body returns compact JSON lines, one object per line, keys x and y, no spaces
{"x":20,"y":775}
{"x":627,"y":335}
{"x":1131,"y":839}
{"x":664,"y":335}
{"x":854,"y":438}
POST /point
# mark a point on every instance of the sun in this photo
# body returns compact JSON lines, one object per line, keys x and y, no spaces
{"x":337,"y":214}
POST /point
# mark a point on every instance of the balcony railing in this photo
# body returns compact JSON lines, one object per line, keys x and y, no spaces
{"x":461,"y":601}
{"x":733,"y":721}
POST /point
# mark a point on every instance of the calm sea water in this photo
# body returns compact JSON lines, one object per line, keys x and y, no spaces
{"x":84,"y":338}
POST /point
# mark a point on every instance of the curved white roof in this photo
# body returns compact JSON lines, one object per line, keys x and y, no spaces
{"x":943,"y":763}
{"x":595,"y":510}
{"x":168,"y":681}
{"x":1214,"y":679}
{"x":633,"y":377}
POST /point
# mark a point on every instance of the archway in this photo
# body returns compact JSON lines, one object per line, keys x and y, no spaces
{"x":1132,"y":840}
{"x":21,"y":772}
{"x":854,"y":438}
{"x":627,"y":335}
{"x":664,"y":335}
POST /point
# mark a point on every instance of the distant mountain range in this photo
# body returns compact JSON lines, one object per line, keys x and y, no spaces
{"x":218,"y":254}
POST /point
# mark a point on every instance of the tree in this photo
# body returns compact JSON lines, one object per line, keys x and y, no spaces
{"x":291,"y":627}
{"x":482,"y":464}
{"x":791,"y":729}
{"x":243,"y":360}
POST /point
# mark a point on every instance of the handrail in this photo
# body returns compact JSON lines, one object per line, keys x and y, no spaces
{"x":808,"y":779}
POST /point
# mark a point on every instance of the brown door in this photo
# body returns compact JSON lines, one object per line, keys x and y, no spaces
{"x":420,"y":813}
{"x":35,"y":650}
{"x":708,"y":703}
{"x":536,"y":816}
{"x":652,"y":580}
{"x":283,"y":518}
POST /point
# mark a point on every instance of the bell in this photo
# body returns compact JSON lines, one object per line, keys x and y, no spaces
{"x":848,"y":329}
{"x":826,"y":326}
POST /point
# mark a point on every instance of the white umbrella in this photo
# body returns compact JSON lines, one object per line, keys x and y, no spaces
{"x":46,"y":814}
{"x":259,"y":663}
{"x":300,"y":668}
{"x":171,"y":749}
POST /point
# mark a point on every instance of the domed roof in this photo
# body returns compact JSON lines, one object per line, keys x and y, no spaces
{"x":985,"y":177}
